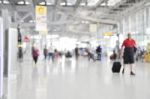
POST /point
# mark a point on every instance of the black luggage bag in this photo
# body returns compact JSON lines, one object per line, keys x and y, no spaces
{"x":116,"y":67}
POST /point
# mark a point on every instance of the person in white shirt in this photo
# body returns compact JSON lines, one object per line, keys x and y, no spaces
{"x":51,"y":53}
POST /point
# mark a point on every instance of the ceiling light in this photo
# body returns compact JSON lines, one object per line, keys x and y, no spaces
{"x":21,"y":2}
{"x":82,"y":4}
{"x":92,"y":2}
{"x":48,"y":3}
{"x":6,"y":2}
{"x":103,"y":4}
{"x":31,"y":21}
{"x":42,"y":3}
{"x":113,"y":2}
{"x":85,"y":22}
{"x":27,"y":3}
{"x":62,"y":4}
{"x":69,"y":4}
{"x":0,"y":1}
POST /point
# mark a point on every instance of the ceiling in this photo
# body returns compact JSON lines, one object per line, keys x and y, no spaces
{"x":71,"y":16}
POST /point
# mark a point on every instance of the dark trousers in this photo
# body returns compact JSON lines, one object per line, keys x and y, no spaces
{"x":45,"y":56}
{"x":35,"y":59}
{"x":91,"y":56}
{"x":99,"y":56}
{"x":51,"y":55}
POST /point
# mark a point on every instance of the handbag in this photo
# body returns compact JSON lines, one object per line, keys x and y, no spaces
{"x":135,"y":49}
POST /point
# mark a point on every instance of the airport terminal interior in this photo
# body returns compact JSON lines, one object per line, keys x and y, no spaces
{"x":74,"y":49}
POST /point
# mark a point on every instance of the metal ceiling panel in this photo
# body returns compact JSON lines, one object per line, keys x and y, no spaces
{"x":113,"y":2}
{"x":71,"y":2}
{"x":92,"y":2}
{"x":74,"y":15}
{"x":50,"y":1}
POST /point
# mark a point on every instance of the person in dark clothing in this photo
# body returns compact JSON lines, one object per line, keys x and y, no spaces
{"x":51,"y":53}
{"x":20,"y":53}
{"x":35,"y":54}
{"x":99,"y":52}
{"x":68,"y":54}
{"x":45,"y":52}
{"x":90,"y":55}
{"x":128,"y":56}
{"x":76,"y":52}
{"x":113,"y":56}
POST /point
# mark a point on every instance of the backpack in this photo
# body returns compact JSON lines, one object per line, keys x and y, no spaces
{"x":98,"y":50}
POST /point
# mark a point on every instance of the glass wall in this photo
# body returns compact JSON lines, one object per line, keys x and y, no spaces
{"x":138,"y":24}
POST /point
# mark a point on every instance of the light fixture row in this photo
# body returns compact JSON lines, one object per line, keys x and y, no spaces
{"x":110,"y":2}
{"x":5,"y":2}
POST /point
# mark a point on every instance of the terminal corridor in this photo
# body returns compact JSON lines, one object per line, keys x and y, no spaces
{"x":82,"y":79}
{"x":74,"y":49}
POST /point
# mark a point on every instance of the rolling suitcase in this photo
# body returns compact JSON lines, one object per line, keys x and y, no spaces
{"x":116,"y":67}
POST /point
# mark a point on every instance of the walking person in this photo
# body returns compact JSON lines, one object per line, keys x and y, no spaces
{"x":128,"y":55}
{"x":76,"y":53}
{"x":56,"y":54}
{"x":51,"y":53}
{"x":99,"y":52}
{"x":35,"y":54}
{"x":20,"y":54}
{"x":90,"y":54}
{"x":45,"y":52}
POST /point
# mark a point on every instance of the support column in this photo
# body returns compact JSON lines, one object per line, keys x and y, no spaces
{"x":6,"y":21}
{"x":12,"y":53}
{"x":1,"y":58}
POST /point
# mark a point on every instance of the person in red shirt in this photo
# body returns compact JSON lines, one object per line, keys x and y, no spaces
{"x":128,"y":56}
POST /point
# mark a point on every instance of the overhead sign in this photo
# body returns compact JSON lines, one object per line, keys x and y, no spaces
{"x":41,"y":18}
{"x":108,"y":34}
{"x":1,"y":58}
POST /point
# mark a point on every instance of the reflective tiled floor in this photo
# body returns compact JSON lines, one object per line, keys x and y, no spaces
{"x":82,"y":79}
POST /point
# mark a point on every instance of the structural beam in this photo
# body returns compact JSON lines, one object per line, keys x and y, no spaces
{"x":24,"y":17}
{"x":77,"y":3}
{"x":134,"y":8}
{"x":98,"y":3}
{"x":32,"y":6}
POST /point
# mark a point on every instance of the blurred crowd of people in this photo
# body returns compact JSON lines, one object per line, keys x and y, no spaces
{"x":52,"y":54}
{"x":129,"y":52}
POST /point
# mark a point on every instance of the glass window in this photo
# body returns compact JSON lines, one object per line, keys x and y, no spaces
{"x":133,"y":22}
